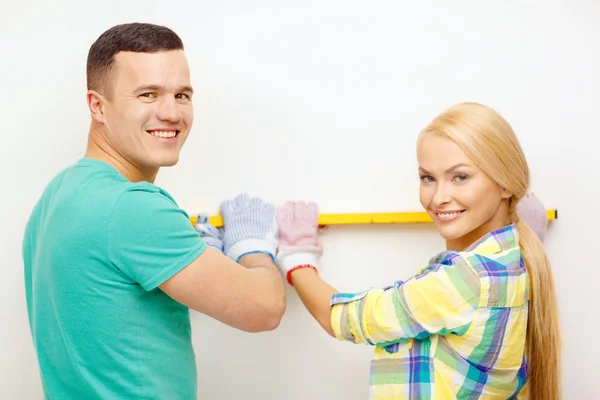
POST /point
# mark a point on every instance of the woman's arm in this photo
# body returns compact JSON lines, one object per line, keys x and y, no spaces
{"x":315,"y":294}
{"x":441,"y":299}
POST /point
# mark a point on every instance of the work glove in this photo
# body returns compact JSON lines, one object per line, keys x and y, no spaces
{"x":211,"y":235}
{"x":250,"y":226}
{"x":299,"y":245}
{"x":531,"y":211}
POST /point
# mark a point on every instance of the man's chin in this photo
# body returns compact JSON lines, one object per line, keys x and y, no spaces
{"x":167,"y":162}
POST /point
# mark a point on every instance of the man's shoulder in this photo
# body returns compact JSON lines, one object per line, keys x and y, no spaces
{"x":142,"y":197}
{"x":90,"y":192}
{"x":93,"y":182}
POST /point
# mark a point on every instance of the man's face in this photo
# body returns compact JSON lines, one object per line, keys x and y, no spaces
{"x":149,"y":114}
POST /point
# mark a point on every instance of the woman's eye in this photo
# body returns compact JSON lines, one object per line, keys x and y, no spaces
{"x":427,"y":179}
{"x":460,"y":178}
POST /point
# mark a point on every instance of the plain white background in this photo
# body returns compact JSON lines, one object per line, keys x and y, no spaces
{"x":321,"y":101}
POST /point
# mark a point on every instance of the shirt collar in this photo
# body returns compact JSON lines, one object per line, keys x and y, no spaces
{"x":505,"y":238}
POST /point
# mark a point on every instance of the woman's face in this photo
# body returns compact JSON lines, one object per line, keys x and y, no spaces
{"x":464,"y":203}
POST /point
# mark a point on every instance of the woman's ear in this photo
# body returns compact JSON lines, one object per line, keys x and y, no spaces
{"x":506,"y":194}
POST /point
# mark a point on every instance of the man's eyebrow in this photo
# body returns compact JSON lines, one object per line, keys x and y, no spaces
{"x":158,"y":88}
{"x":186,"y":88}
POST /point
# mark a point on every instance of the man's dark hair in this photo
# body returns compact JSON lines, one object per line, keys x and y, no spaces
{"x":135,"y":37}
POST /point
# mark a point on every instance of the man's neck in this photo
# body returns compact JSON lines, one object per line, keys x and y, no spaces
{"x":100,"y":149}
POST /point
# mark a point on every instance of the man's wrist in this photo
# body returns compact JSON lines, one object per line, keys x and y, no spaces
{"x":251,"y":246}
{"x":251,"y":260}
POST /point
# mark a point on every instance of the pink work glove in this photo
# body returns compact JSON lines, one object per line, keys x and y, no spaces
{"x":531,"y":210}
{"x":299,"y":245}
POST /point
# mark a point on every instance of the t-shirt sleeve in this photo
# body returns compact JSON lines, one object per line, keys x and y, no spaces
{"x":150,"y":238}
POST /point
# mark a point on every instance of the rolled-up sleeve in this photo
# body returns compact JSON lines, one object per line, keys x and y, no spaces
{"x":441,"y":299}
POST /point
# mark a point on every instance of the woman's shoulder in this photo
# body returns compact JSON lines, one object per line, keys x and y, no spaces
{"x":497,"y":252}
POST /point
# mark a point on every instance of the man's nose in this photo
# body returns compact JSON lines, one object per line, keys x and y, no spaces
{"x":168,"y":110}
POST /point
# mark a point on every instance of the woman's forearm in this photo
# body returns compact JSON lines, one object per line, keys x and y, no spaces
{"x":315,"y":294}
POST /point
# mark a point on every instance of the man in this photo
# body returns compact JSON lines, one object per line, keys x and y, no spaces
{"x":112,"y":264}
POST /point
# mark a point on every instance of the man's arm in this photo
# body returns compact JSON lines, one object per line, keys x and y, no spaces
{"x":152,"y":242}
{"x":235,"y":280}
{"x":248,"y":296}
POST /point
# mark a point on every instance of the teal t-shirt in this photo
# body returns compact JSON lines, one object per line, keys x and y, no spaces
{"x":95,"y":249}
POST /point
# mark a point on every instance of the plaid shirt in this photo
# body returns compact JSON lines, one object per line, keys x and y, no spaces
{"x":456,"y":330}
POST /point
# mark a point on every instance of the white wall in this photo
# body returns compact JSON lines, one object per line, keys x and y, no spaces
{"x":318,"y":100}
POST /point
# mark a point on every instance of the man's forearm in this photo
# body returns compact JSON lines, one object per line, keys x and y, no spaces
{"x":271,"y":281}
{"x":316,"y":295}
{"x":261,"y":263}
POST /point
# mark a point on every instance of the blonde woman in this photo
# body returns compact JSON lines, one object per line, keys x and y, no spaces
{"x":480,"y":320}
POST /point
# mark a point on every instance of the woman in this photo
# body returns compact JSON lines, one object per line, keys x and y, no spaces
{"x":480,"y":320}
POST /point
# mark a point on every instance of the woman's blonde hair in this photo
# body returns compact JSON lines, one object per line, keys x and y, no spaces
{"x":488,"y":139}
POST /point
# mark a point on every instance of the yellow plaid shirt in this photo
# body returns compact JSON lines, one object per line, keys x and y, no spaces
{"x":456,"y":330}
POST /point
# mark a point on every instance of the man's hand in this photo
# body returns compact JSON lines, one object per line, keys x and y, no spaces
{"x":250,"y":227}
{"x":211,"y":235}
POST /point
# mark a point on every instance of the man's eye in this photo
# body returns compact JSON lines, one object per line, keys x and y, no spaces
{"x":147,"y":95}
{"x":183,"y":96}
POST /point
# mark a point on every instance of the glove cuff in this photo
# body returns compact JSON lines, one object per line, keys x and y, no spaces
{"x":250,"y":246}
{"x":288,"y":259}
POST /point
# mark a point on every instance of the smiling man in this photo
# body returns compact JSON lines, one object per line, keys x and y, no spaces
{"x":112,"y":265}
{"x":142,"y":116}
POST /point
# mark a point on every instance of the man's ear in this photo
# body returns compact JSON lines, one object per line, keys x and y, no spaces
{"x":96,"y":104}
